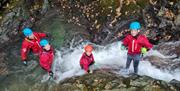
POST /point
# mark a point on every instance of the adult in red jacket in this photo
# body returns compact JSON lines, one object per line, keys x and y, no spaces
{"x":134,"y":42}
{"x":46,"y":56}
{"x":87,"y":58}
{"x":30,"y":43}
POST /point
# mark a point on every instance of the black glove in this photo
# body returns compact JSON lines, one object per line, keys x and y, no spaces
{"x":48,"y":35}
{"x":92,"y":63}
{"x":88,"y":71}
{"x":51,"y":73}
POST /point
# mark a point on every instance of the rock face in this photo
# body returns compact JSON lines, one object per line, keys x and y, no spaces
{"x":12,"y":21}
{"x":170,"y":59}
{"x":3,"y":65}
{"x":98,"y":81}
{"x":108,"y":20}
{"x":169,"y":48}
{"x":106,"y":81}
{"x":100,"y":21}
{"x":105,"y":20}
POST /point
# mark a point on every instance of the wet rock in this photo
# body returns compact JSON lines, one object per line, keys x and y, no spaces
{"x":99,"y":80}
{"x":168,"y":59}
{"x":158,"y":61}
{"x":175,"y":83}
{"x":3,"y":3}
{"x":169,"y":48}
{"x":62,"y":34}
{"x":135,"y":83}
{"x":45,"y":6}
{"x":108,"y":86}
{"x":19,"y":15}
{"x":138,"y":83}
{"x":159,"y":17}
{"x":164,"y":63}
{"x":9,"y":27}
{"x":69,"y":87}
{"x":177,"y":20}
{"x":3,"y":64}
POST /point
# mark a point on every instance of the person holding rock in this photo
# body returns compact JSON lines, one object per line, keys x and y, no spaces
{"x":87,"y":58}
{"x":136,"y":44}
{"x":46,"y":56}
{"x":30,"y":43}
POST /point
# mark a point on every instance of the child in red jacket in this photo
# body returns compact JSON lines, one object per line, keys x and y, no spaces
{"x":31,"y":42}
{"x":87,"y":58}
{"x":46,"y":56}
{"x":134,"y":42}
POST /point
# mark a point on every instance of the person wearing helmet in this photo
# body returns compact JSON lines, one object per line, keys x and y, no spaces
{"x":136,"y":44}
{"x":46,"y":56}
{"x":87,"y":58}
{"x":30,"y":43}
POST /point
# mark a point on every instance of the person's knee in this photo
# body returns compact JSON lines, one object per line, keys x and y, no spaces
{"x":137,"y":57}
{"x":128,"y":61}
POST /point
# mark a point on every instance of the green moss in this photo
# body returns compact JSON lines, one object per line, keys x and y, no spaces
{"x":133,"y":9}
{"x":130,"y":8}
{"x":105,"y":7}
{"x":109,"y":5}
{"x":58,"y":33}
{"x":142,"y":3}
{"x":106,"y":3}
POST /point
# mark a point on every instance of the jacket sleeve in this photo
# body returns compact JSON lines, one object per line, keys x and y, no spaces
{"x":41,"y":35}
{"x":125,"y":41}
{"x":146,"y":43}
{"x":24,"y":50}
{"x":81,"y":59}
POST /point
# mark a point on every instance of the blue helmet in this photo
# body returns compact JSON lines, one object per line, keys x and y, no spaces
{"x":27,"y":31}
{"x":44,"y":42}
{"x":135,"y":26}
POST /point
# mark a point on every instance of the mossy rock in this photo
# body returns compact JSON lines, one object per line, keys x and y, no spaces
{"x":142,"y":3}
{"x":134,"y":9}
{"x":55,"y":28}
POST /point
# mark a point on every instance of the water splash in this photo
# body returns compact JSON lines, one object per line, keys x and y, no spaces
{"x":109,"y":56}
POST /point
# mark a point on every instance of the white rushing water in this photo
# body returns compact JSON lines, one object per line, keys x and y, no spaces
{"x":67,"y":65}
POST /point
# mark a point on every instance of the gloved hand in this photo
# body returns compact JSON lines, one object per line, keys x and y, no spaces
{"x":90,"y":71}
{"x":48,"y":35}
{"x":93,"y":62}
{"x":123,"y":47}
{"x":143,"y":50}
{"x":51,"y":73}
{"x":24,"y":62}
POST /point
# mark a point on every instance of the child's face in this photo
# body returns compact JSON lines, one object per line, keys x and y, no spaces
{"x":88,"y":53}
{"x":31,"y":36}
{"x":47,"y":47}
{"x":134,"y":32}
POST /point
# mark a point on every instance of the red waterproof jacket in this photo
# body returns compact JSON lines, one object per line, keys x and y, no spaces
{"x":135,"y":44}
{"x":85,"y":61}
{"x":33,"y":45}
{"x":46,"y":59}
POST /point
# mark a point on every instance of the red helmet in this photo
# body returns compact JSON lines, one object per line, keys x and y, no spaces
{"x":88,"y":48}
